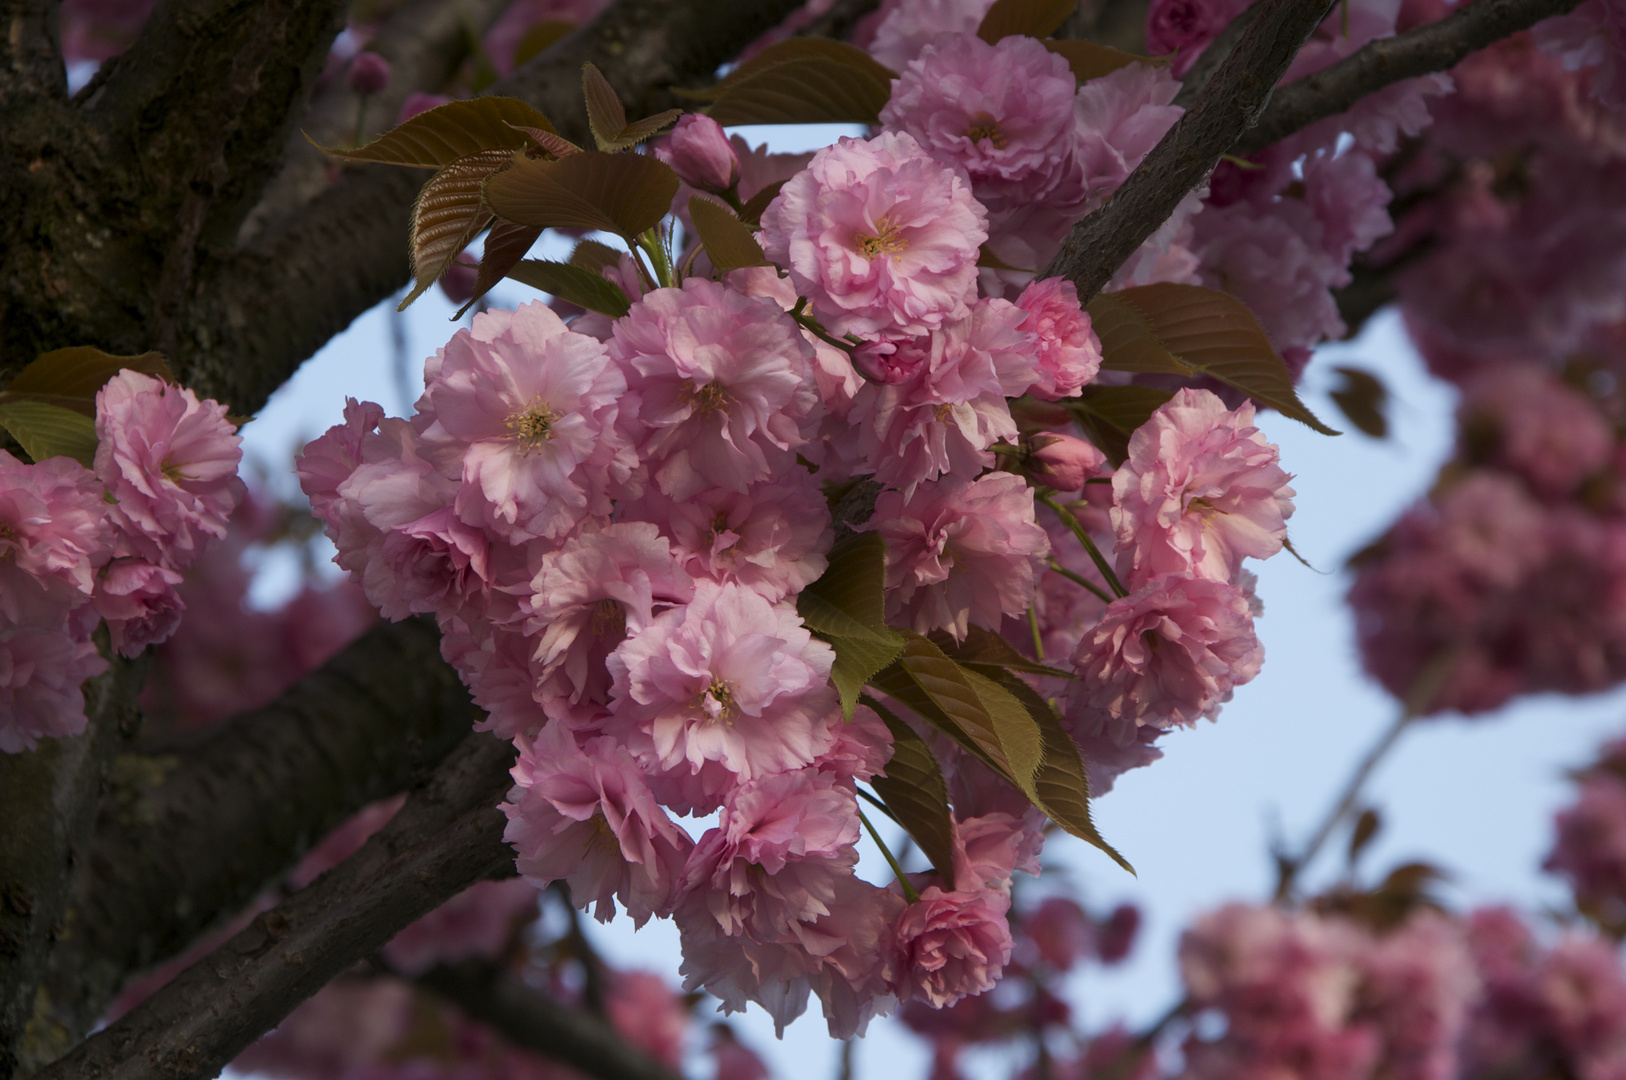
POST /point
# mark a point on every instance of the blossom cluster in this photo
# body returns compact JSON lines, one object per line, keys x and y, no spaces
{"x":79,"y":545}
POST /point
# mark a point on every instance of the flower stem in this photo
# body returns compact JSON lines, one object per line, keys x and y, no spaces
{"x":1033,"y":628}
{"x":1078,"y":579}
{"x":908,"y":890}
{"x":1068,"y":519}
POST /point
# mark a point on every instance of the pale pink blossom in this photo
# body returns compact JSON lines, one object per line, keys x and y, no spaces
{"x":1169,"y":653}
{"x":1069,"y":353}
{"x":960,"y":552}
{"x":1593,"y":35}
{"x":586,"y":816}
{"x":729,"y":679}
{"x":652,"y":1017}
{"x":169,"y":463}
{"x":589,"y":597}
{"x":480,"y":921}
{"x":1060,"y":932}
{"x":1590,"y":849}
{"x":942,"y":402}
{"x":1521,"y":418}
{"x":327,"y":461}
{"x":908,"y":26}
{"x":1185,"y":27}
{"x":1063,"y":462}
{"x":41,"y":669}
{"x":530,"y":408}
{"x":989,"y":848}
{"x":776,"y":852}
{"x":139,"y":602}
{"x":496,"y":663}
{"x":952,"y":945}
{"x":699,"y":151}
{"x":725,"y":381}
{"x":878,"y":236}
{"x":1003,"y":113}
{"x":862,"y":746}
{"x":1120,"y":117}
{"x":50,"y":527}
{"x":1200,"y":490}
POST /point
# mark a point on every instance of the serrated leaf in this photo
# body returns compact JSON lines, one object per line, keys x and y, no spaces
{"x":1091,"y":61}
{"x":1062,"y":784}
{"x":913,"y":790}
{"x":751,"y":212}
{"x":986,"y":648}
{"x":580,"y":286}
{"x":728,"y":243}
{"x":1020,"y":737}
{"x":448,"y":214}
{"x":805,"y":80}
{"x":1110,"y":414}
{"x":547,"y":141}
{"x":1034,"y":18}
{"x":48,"y":431}
{"x":854,"y":583}
{"x":539,"y":38}
{"x":594,"y":256}
{"x":436,"y":138}
{"x":1188,"y":330}
{"x":506,"y":244}
{"x":606,"y":116}
{"x":1363,"y":398}
{"x":858,"y":658}
{"x":623,"y":194}
{"x":70,"y":378}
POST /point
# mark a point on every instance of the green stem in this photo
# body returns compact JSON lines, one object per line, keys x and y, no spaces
{"x":650,"y":241}
{"x":909,"y":892}
{"x":1033,"y":628}
{"x":812,"y":326}
{"x":1100,"y":561}
{"x":1078,"y":579}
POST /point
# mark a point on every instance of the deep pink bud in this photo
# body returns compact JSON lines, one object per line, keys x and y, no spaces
{"x":458,"y":280}
{"x":1115,"y":937}
{"x":369,"y":74}
{"x":1063,"y":462}
{"x":699,"y":152}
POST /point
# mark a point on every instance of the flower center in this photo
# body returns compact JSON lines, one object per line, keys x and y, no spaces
{"x":717,"y":701}
{"x":888,"y":241}
{"x":983,"y":127}
{"x":709,"y":398}
{"x":532,"y":427}
{"x":609,"y":620}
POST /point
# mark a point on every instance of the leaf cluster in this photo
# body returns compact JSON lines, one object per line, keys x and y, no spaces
{"x":50,"y":407}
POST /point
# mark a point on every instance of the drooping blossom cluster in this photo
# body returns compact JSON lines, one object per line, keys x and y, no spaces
{"x":80,"y":545}
{"x":1589,"y":852}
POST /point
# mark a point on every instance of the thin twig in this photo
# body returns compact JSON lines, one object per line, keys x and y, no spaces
{"x":1071,"y":521}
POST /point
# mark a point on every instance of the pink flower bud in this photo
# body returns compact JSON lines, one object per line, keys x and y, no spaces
{"x":1062,"y":932}
{"x":369,"y":74}
{"x":1063,"y":462}
{"x":699,"y":152}
{"x":458,"y":280}
{"x":1115,"y":937}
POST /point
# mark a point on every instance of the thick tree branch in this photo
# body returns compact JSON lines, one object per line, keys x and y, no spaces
{"x":1202,"y":69}
{"x":1226,"y":107}
{"x":189,"y":837}
{"x":446,"y":837}
{"x":306,"y":278}
{"x":30,"y":52}
{"x":534,"y":1022}
{"x":1434,"y":47}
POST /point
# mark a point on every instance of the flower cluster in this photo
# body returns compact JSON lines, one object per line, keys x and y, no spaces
{"x":78,"y":545}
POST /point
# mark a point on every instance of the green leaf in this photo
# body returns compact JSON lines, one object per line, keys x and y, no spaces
{"x":579,"y":286}
{"x":448,"y":214}
{"x":1362,"y":397}
{"x":48,"y":431}
{"x":751,"y":212}
{"x":594,"y":256}
{"x":728,"y":243}
{"x":449,"y":132}
{"x":1110,"y":414}
{"x":1091,"y":61}
{"x":913,"y":790}
{"x":608,"y":118}
{"x":854,"y":582}
{"x":1188,"y":330}
{"x":539,"y":38}
{"x":1034,"y":18}
{"x":623,"y":194}
{"x":70,"y":378}
{"x":506,"y":244}
{"x":805,"y":80}
{"x":988,"y":649}
{"x":1062,"y":785}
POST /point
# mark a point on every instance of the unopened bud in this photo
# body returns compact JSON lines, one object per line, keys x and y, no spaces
{"x":369,"y":74}
{"x":1116,"y":936}
{"x":1063,"y":462}
{"x":700,"y":154}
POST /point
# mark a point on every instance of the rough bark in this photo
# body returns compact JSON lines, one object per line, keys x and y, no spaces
{"x":446,"y":837}
{"x":189,"y":836}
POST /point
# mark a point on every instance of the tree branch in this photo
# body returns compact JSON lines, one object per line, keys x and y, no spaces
{"x":530,"y":1020}
{"x":30,"y":52}
{"x":1434,"y":47}
{"x":189,"y":837}
{"x":1225,"y":108}
{"x":446,"y":837}
{"x":307,"y":277}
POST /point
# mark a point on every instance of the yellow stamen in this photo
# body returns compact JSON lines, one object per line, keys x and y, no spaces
{"x":532,"y":427}
{"x":983,"y":127}
{"x":886,"y":242}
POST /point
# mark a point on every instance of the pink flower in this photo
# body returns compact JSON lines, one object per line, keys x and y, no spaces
{"x":586,"y":816}
{"x":587,"y":599}
{"x":139,"y":602}
{"x":1061,"y":932}
{"x":327,"y":461}
{"x":1069,"y":352}
{"x":643,"y":1008}
{"x":952,"y":945}
{"x":530,"y":409}
{"x":1592,"y":35}
{"x":169,"y":463}
{"x":1002,"y":112}
{"x":369,"y":74}
{"x":1171,"y":652}
{"x":1120,"y":117}
{"x":496,"y":664}
{"x":1186,"y":27}
{"x":41,"y":669}
{"x":1200,"y":490}
{"x":699,"y":152}
{"x":731,"y":679}
{"x":776,"y":853}
{"x":908,"y":26}
{"x":960,"y":552}
{"x":726,"y":383}
{"x":878,"y":236}
{"x":942,"y":403}
{"x":1520,"y":418}
{"x":51,"y":530}
{"x":480,"y":921}
{"x":1590,"y":851}
{"x":1063,"y":462}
